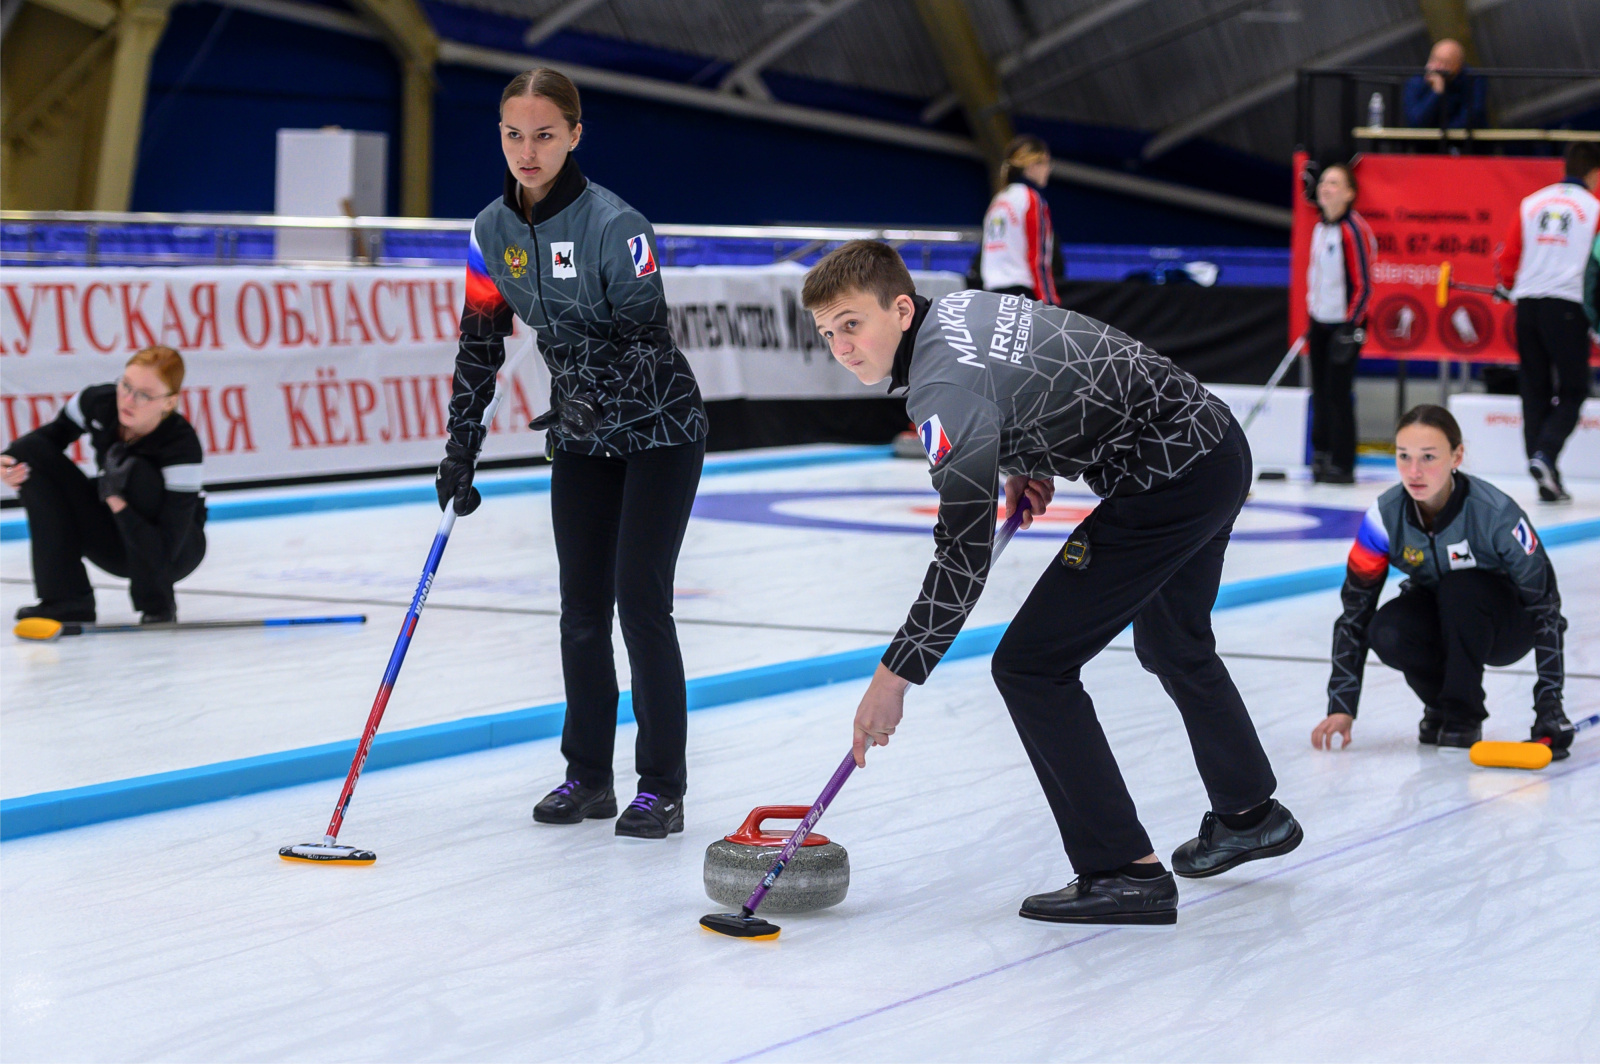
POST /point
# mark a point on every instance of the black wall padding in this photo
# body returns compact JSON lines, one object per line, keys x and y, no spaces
{"x":740,"y":423}
{"x":1221,"y":335}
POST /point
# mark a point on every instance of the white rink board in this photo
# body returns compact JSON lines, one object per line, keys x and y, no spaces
{"x":1278,"y":434}
{"x":1491,"y":427}
{"x":296,"y":372}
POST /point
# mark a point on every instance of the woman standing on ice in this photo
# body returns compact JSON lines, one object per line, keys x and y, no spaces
{"x":1480,"y":590}
{"x":627,"y":438}
{"x":1019,"y":256}
{"x":1338,"y":285}
{"x":142,"y":517}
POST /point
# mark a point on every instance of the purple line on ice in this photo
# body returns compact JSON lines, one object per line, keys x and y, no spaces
{"x":1347,"y":848}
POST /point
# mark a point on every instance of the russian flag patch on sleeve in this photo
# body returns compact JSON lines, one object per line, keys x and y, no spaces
{"x":644,"y":260}
{"x":1525,"y":537}
{"x":934,"y":441}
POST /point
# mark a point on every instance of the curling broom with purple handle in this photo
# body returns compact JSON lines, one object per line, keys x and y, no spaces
{"x":745,"y":923}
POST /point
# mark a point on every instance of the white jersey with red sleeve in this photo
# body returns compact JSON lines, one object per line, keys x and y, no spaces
{"x":1019,"y":242}
{"x":1339,"y":275}
{"x":1548,"y":246}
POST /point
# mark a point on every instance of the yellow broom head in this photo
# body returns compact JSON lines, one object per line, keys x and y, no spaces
{"x":1510,"y":755}
{"x":37,"y":628}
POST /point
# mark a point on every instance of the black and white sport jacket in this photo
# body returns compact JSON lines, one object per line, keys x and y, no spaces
{"x":1481,"y":527}
{"x":173,"y":448}
{"x":585,"y":276}
{"x":1001,"y":384}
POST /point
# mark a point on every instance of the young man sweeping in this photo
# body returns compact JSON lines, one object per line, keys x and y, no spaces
{"x":1000,"y":384}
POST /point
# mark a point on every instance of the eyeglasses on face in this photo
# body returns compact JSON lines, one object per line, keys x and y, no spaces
{"x":139,"y":395}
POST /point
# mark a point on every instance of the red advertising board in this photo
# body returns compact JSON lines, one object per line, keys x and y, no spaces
{"x":1427,"y":210}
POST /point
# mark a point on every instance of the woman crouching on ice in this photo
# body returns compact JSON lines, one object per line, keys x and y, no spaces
{"x":1480,"y":591}
{"x":143,"y":516}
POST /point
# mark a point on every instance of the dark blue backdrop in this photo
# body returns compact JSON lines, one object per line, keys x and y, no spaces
{"x":224,"y":81}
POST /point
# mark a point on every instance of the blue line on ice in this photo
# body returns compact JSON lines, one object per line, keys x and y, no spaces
{"x":48,"y":811}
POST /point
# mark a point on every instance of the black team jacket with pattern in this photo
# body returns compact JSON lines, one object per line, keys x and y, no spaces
{"x":1480,"y":527}
{"x":585,"y":276}
{"x":998,"y":384}
{"x":173,"y":448}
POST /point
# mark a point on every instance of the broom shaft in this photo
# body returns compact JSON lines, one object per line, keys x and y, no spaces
{"x":194,"y":626}
{"x":1002,"y":537}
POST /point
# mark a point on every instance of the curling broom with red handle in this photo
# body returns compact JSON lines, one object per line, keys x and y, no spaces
{"x":745,"y":923}
{"x":329,"y":851}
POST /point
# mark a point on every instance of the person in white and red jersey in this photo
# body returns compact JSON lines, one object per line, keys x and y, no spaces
{"x":1542,"y":262}
{"x":1019,"y":255}
{"x":1338,"y":288}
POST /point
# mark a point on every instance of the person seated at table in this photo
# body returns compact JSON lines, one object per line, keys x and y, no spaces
{"x":1480,"y":590}
{"x":142,"y":517}
{"x":1446,"y":94}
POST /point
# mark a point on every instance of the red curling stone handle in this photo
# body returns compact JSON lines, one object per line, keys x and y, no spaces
{"x":750,"y":833}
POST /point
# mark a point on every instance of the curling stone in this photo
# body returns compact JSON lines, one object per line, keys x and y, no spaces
{"x":816,"y":877}
{"x":909,"y":445}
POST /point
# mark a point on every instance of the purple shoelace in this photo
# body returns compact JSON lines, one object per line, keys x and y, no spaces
{"x":644,"y":801}
{"x":568,"y":787}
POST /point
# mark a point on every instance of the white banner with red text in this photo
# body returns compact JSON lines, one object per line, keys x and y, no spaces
{"x":294,"y":373}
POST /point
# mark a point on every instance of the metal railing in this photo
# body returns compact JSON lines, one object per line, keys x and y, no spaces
{"x":106,"y":238}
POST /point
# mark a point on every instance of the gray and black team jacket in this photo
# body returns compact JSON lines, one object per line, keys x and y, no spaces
{"x":1482,"y":528}
{"x":585,"y":276}
{"x":173,"y":448}
{"x":1002,"y":384}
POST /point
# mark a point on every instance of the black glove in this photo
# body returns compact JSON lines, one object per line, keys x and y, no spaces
{"x":116,"y":472}
{"x":578,"y":416}
{"x":1344,"y":346}
{"x":454,"y":481}
{"x":1308,"y":181}
{"x":1551,"y":725}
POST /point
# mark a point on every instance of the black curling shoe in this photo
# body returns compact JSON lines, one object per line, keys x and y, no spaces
{"x":67,"y":611}
{"x":1428,"y":727}
{"x":1550,"y":725}
{"x":1459,"y":734}
{"x":1218,"y":847}
{"x":651,"y":816}
{"x":1108,"y":898}
{"x":573,"y":803}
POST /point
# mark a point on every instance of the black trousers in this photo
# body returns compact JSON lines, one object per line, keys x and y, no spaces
{"x":1155,"y":560}
{"x":1553,"y":346}
{"x":619,"y":522}
{"x":67,"y":523}
{"x":1333,"y":404}
{"x":1442,"y":638}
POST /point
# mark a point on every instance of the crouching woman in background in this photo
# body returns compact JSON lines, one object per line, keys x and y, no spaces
{"x":1480,"y":591}
{"x":143,"y":517}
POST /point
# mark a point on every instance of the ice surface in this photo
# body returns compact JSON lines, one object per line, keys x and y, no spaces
{"x":1436,"y":910}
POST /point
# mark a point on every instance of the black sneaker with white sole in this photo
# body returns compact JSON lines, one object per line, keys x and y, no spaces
{"x":1218,"y":847}
{"x":651,"y":816}
{"x":1107,"y":898}
{"x":1545,"y":474}
{"x":573,"y":803}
